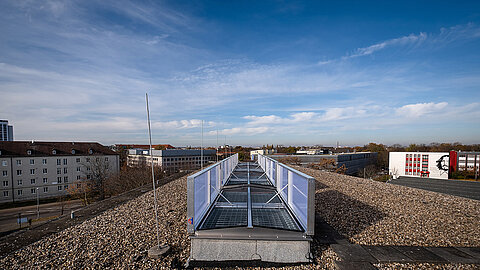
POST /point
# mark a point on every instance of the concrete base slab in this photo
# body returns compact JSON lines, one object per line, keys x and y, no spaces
{"x":158,"y":251}
{"x":247,"y":250}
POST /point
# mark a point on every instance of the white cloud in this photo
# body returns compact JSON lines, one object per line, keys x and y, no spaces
{"x":264,"y":120}
{"x":308,"y":118}
{"x":156,"y":39}
{"x":325,"y":62}
{"x":183,"y":124}
{"x":419,"y":109}
{"x":303,"y":116}
{"x":457,"y":32}
{"x":402,"y":41}
{"x":242,"y":131}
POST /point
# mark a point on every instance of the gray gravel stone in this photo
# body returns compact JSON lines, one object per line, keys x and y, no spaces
{"x":366,"y":212}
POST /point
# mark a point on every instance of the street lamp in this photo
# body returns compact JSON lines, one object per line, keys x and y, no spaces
{"x":38,"y":206}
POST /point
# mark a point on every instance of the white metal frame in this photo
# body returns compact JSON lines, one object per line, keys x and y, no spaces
{"x":295,"y":183}
{"x":203,"y":187}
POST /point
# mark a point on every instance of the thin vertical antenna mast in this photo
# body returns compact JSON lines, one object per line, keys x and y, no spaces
{"x":216,"y":147}
{"x":153,"y":172}
{"x":201,"y":148}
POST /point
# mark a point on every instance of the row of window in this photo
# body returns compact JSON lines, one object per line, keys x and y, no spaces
{"x":34,"y":190}
{"x":183,"y":163}
{"x":412,"y":164}
{"x":44,"y":161}
{"x":45,"y":181}
{"x":45,"y":171}
{"x":186,"y":158}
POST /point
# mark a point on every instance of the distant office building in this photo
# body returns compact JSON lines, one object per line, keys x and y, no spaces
{"x":6,"y":131}
{"x":171,"y":159}
{"x":353,"y":162}
{"x":50,"y":169}
{"x":254,"y":153}
{"x":314,"y":152}
{"x":419,"y":164}
{"x":464,"y":161}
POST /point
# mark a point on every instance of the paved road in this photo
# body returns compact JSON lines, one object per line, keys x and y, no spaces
{"x":466,"y":189}
{"x":8,"y":217}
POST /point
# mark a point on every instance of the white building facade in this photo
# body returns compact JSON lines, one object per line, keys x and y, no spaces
{"x":49,"y":169}
{"x":171,"y":159}
{"x":254,"y":153}
{"x":419,"y":164}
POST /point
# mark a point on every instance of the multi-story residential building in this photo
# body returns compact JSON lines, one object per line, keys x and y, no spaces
{"x":171,"y":159}
{"x":6,"y":131}
{"x":49,"y":169}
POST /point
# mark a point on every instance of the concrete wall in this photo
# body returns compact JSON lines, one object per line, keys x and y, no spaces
{"x":246,"y":250}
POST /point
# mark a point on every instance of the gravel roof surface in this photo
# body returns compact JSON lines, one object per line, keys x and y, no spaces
{"x":376,"y":213}
{"x":366,"y":212}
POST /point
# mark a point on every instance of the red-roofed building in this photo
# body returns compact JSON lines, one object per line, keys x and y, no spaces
{"x":49,"y":169}
{"x":144,"y":146}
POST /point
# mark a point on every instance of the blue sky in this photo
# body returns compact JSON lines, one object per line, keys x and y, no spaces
{"x":258,"y":72}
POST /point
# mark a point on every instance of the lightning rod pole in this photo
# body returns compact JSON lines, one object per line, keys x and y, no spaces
{"x":153,"y":173}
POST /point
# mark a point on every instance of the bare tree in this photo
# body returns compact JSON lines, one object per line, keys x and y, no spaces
{"x":290,"y":160}
{"x":342,"y":169}
{"x":368,"y":171}
{"x":327,"y":164}
{"x":394,"y":173}
{"x":129,"y":178}
{"x":97,"y":170}
{"x":80,"y":190}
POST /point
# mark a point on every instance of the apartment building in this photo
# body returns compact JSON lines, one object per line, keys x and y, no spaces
{"x":171,"y":159}
{"x":49,"y":169}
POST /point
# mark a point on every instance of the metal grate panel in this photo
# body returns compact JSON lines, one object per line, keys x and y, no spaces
{"x":234,"y":196}
{"x":234,"y":181}
{"x":264,"y":197}
{"x":255,"y":174}
{"x":225,"y":217}
{"x":264,"y":182}
{"x":273,"y":218}
{"x":240,"y":174}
